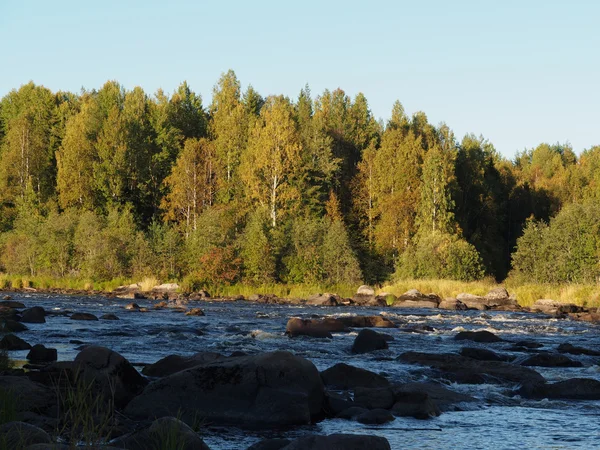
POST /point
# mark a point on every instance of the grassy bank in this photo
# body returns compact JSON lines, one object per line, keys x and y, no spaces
{"x":587,"y":295}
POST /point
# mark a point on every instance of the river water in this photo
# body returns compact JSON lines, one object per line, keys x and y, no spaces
{"x":495,"y":421}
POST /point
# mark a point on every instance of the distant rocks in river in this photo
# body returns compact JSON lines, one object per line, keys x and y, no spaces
{"x":369,"y":341}
{"x":35,"y":314}
{"x":109,"y":316}
{"x":573,"y":350}
{"x":8,"y":303}
{"x":318,"y":328}
{"x":477,"y":336}
{"x":345,"y":376}
{"x":339,"y":442}
{"x":83,"y":316}
{"x":553,"y":307}
{"x":195,"y":312}
{"x":495,"y":299}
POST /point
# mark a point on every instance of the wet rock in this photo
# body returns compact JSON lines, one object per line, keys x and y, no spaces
{"x":161,"y":305}
{"x":592,"y":317}
{"x":162,"y":433}
{"x":374,"y":398}
{"x":132,"y":307}
{"x":550,"y":360}
{"x":114,"y":377}
{"x":319,"y":328}
{"x":369,"y":341}
{"x":30,"y":396}
{"x":478,"y":336}
{"x":443,"y":397}
{"x":415,"y":404}
{"x":336,"y":403}
{"x":324,"y":300}
{"x":573,"y":350}
{"x":262,"y":391}
{"x":339,"y":442}
{"x":364,"y":295}
{"x":344,"y":376}
{"x":39,"y":353}
{"x":415,"y":299}
{"x":109,"y":317}
{"x":375,"y":417}
{"x":8,"y":303}
{"x":174,"y":363}
{"x":11,"y":342}
{"x":367,"y":322}
{"x":17,"y":435}
{"x":83,"y":316}
{"x":11,"y":326}
{"x":195,"y":312}
{"x":482,"y":354}
{"x":452,"y":304}
{"x":528,"y":344}
{"x":495,"y":299}
{"x":34,"y":315}
{"x":351,"y":413}
{"x":199,"y":296}
{"x":553,"y":307}
{"x":473,"y":371}
{"x":131,"y":291}
{"x":270,"y":444}
{"x":572,"y":389}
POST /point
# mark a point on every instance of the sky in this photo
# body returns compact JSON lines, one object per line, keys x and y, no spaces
{"x":518,"y":73}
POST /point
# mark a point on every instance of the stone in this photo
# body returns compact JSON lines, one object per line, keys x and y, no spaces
{"x":345,"y":376}
{"x":414,"y":404}
{"x":369,"y":341}
{"x":374,"y":398}
{"x":34,"y":315}
{"x":571,"y":349}
{"x":367,"y":322}
{"x":324,"y":300}
{"x":83,"y":316}
{"x":132,"y":307}
{"x":109,"y":317}
{"x":339,"y":442}
{"x":477,"y":336}
{"x":30,"y":396}
{"x":11,"y":342}
{"x":17,"y":435}
{"x":553,"y":307}
{"x":128,"y":292}
{"x":444,"y":398}
{"x":551,"y":360}
{"x":452,"y":304}
{"x":174,"y":363}
{"x":495,"y":299}
{"x":264,"y":390}
{"x":39,"y":353}
{"x":351,"y":413}
{"x":365,"y":290}
{"x":572,"y":389}
{"x":415,"y":299}
{"x":482,"y":354}
{"x":270,"y":444}
{"x":114,"y":377}
{"x":9,"y":303}
{"x":472,"y":371}
{"x":319,"y":328}
{"x":195,"y":312}
{"x":336,"y":402}
{"x":375,"y":417}
{"x":11,"y":326}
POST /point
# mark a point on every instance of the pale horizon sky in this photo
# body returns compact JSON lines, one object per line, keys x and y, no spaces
{"x":518,"y":73}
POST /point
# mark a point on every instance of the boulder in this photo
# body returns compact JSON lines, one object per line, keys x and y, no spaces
{"x":17,"y":435}
{"x":8,"y":303}
{"x":11,"y":326}
{"x":339,"y":442}
{"x":471,"y":371}
{"x":369,"y":341}
{"x":270,"y":444}
{"x":415,"y":299}
{"x":195,"y":312}
{"x":364,"y":295}
{"x":365,"y":290}
{"x":571,"y":349}
{"x":444,"y":398}
{"x":319,"y":328}
{"x":12,"y":342}
{"x":414,"y":404}
{"x":336,"y":402}
{"x":351,"y":413}
{"x":374,"y":398}
{"x":572,"y":389}
{"x":367,"y":322}
{"x":39,"y":353}
{"x":344,"y":376}
{"x":550,"y":360}
{"x":166,"y":287}
{"x":593,"y":317}
{"x":30,"y":396}
{"x":426,"y":304}
{"x":131,"y":291}
{"x":132,"y":307}
{"x":553,"y":307}
{"x":34,"y":315}
{"x":375,"y":417}
{"x":262,"y":391}
{"x":114,"y":377}
{"x":109,"y":317}
{"x":483,"y":354}
{"x":324,"y":300}
{"x":452,"y":304}
{"x":496,"y":299}
{"x":83,"y":316}
{"x":166,"y":432}
{"x":174,"y":363}
{"x":478,"y":336}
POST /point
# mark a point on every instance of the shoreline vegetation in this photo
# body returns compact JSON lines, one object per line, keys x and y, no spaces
{"x":584,"y":295}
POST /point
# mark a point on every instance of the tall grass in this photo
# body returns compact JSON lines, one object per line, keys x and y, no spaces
{"x":443,"y":288}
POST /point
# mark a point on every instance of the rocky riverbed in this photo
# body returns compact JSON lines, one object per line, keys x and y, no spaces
{"x":413,"y":375}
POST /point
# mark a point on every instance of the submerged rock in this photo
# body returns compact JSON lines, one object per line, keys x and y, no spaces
{"x":550,"y":360}
{"x":573,"y":350}
{"x":83,"y":316}
{"x":345,"y":376}
{"x":270,"y":444}
{"x":482,"y":354}
{"x":339,"y":442}
{"x":414,"y":404}
{"x":477,"y":336}
{"x":573,"y":389}
{"x":262,"y":391}
{"x":109,"y":317}
{"x":369,"y":341}
{"x":367,"y":322}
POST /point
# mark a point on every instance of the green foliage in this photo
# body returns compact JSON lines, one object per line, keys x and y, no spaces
{"x":257,"y":251}
{"x":339,"y":261}
{"x":440,"y":255}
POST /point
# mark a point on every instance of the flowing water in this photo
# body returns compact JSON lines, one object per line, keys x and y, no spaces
{"x":495,"y":421}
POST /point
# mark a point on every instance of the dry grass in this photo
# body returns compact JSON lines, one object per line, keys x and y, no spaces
{"x":443,"y":288}
{"x":148,"y":283}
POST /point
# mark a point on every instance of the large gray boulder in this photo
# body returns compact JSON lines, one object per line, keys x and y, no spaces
{"x":496,"y":299}
{"x":113,"y":375}
{"x":339,"y":442}
{"x":345,"y":376}
{"x":257,"y":391}
{"x":416,"y":299}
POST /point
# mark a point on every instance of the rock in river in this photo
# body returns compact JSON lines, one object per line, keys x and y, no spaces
{"x":262,"y":391}
{"x":12,"y":342}
{"x":83,"y":316}
{"x":319,"y":328}
{"x":339,"y":442}
{"x":344,"y":376}
{"x":477,"y":336}
{"x":34,"y":315}
{"x":368,"y":341}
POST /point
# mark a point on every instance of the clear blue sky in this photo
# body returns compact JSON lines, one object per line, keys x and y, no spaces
{"x":518,"y":72}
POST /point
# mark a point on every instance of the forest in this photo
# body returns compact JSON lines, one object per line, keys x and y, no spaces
{"x":116,"y":183}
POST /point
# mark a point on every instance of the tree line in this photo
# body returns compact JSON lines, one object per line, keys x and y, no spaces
{"x":118,"y":183}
